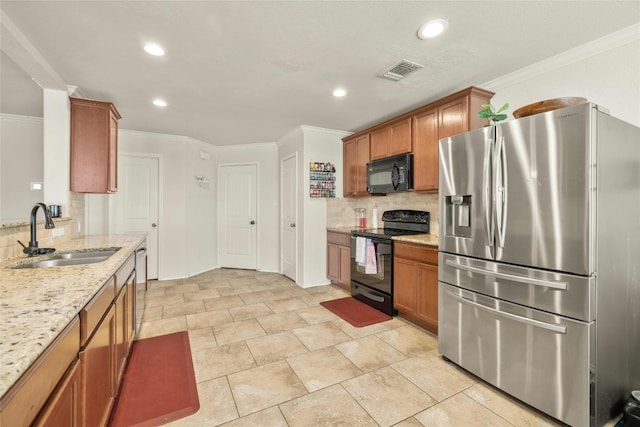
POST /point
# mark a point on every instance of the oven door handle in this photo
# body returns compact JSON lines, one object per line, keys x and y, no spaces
{"x":369,"y":295}
{"x":526,"y":280}
{"x":526,"y":320}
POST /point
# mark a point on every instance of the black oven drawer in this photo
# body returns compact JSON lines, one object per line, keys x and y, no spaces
{"x":378,"y":300}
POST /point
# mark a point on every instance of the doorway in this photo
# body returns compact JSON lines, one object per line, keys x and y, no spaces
{"x":237,"y":216}
{"x":289,"y":197}
{"x":135,"y":207}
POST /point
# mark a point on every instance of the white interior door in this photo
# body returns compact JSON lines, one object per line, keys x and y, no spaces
{"x":237,"y":216}
{"x":134,"y":208}
{"x":289,"y":199}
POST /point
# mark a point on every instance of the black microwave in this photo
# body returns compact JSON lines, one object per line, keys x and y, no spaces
{"x":390,"y":175}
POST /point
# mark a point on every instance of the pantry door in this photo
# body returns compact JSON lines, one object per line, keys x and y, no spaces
{"x":289,"y":188}
{"x":237,"y":216}
{"x":135,"y":207}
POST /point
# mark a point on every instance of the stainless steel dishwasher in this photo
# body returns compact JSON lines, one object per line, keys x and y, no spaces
{"x":141,"y":282}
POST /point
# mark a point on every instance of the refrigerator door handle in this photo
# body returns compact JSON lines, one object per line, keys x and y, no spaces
{"x":488,"y":186}
{"x":500,"y":187}
{"x":528,"y":280}
{"x":525,"y":320}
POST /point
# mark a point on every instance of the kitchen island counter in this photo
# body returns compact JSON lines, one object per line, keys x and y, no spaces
{"x":36,"y":304}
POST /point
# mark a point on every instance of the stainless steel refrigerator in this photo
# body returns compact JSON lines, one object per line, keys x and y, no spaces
{"x":539,"y":264}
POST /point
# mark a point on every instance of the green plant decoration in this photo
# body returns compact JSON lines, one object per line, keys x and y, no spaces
{"x":488,"y":112}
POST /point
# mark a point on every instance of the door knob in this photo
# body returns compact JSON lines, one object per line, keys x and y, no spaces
{"x":154,"y":225}
{"x":252,"y":222}
{"x":293,"y":224}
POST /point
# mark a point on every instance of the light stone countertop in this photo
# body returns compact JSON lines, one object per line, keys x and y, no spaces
{"x":36,"y":304}
{"x":419,"y":239}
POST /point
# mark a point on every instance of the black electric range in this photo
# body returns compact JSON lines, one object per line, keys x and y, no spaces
{"x":372,"y":271}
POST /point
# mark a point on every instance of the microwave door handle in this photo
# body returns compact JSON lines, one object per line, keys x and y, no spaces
{"x":395,"y":177}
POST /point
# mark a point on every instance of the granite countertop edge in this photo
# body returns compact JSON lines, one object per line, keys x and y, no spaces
{"x":419,"y":239}
{"x":37,"y":304}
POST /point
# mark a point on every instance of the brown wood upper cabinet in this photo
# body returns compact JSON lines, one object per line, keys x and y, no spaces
{"x":355,"y":159}
{"x":391,"y":140}
{"x":452,"y":115}
{"x":418,"y":132}
{"x":94,"y":146}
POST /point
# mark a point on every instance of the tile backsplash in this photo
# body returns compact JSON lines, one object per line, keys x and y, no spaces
{"x":69,"y":226}
{"x":340,"y":211}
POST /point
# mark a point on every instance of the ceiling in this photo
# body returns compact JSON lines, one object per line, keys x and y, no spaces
{"x":239,"y":72}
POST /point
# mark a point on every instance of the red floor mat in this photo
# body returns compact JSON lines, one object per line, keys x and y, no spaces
{"x":159,"y":384}
{"x":355,"y":312}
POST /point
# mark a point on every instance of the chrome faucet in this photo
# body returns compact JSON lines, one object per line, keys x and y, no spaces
{"x":33,"y":249}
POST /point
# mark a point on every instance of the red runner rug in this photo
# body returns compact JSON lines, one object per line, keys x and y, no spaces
{"x":355,"y":312}
{"x":159,"y":384}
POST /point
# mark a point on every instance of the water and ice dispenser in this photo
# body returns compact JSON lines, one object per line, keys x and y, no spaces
{"x":458,"y":211}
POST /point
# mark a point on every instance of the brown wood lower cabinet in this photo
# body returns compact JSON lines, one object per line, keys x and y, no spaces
{"x":63,"y":409}
{"x":97,"y":361}
{"x":339,"y":259}
{"x":416,"y":284}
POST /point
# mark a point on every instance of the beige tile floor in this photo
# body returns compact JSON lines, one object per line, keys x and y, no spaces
{"x":265,"y":353}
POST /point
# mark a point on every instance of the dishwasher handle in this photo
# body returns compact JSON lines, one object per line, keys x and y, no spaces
{"x":537,"y":323}
{"x":140,"y":252}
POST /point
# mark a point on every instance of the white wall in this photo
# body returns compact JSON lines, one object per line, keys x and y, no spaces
{"x":320,"y":145}
{"x":312,"y":144}
{"x":201,"y":212}
{"x":185,"y":234}
{"x":606,"y":72}
{"x":265,"y":155}
{"x":21,"y":162}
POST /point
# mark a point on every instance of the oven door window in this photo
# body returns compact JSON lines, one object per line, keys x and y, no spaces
{"x":379,"y":277}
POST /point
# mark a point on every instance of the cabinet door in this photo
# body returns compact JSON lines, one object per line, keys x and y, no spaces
{"x":94,"y":146}
{"x":400,"y":140}
{"x":380,"y":143}
{"x":405,"y":285}
{"x":344,"y":273}
{"x":349,"y":159}
{"x":112,"y":170}
{"x":425,"y":151}
{"x":333,"y":262}
{"x":453,"y":118}
{"x":63,"y":409}
{"x":121,"y":332}
{"x":362,"y":158}
{"x":97,"y":364}
{"x":427,"y":308}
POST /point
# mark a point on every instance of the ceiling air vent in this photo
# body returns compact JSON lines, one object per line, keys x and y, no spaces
{"x":401,"y":70}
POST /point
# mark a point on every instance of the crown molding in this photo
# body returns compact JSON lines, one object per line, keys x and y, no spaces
{"x":587,"y":50}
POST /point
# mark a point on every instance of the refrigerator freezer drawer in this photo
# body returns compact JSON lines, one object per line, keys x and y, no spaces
{"x":558,"y":293}
{"x":541,"y":359}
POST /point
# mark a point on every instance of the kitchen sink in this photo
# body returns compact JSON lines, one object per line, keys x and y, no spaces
{"x":70,"y":258}
{"x":106,"y":253}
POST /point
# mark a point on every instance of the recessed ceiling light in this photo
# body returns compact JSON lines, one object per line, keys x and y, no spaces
{"x":159,"y":102}
{"x":339,"y":93}
{"x":433,"y":29}
{"x":154,"y":49}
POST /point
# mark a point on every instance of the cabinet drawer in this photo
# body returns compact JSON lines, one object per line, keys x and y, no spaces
{"x":91,"y":314}
{"x":123,"y":274}
{"x":420,"y":253}
{"x":343,"y":239}
{"x":26,"y":398}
